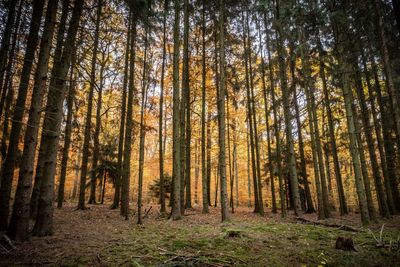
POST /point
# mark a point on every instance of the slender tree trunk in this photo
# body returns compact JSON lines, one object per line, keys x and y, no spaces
{"x":126,"y":169}
{"x":52,"y":125}
{"x":142,"y":131}
{"x":103,"y":191}
{"x":275,"y":115}
{"x":176,"y":155}
{"x":96,"y":136}
{"x":208,"y":156}
{"x":287,"y":116}
{"x":310,"y":206}
{"x":204,"y":180}
{"x":388,"y":149}
{"x":76,"y":178}
{"x":67,"y":136}
{"x":332,"y":138}
{"x":383,"y":204}
{"x":160,"y":121}
{"x":6,"y":40}
{"x":248,"y":168}
{"x":370,"y":143}
{"x":250,"y":120}
{"x":221,"y":115}
{"x":229,"y":156}
{"x":88,"y":122}
{"x":5,"y":87}
{"x":309,"y":89}
{"x":10,"y":160}
{"x":118,"y":180}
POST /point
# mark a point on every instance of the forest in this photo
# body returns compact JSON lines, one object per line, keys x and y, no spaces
{"x":199,"y":133}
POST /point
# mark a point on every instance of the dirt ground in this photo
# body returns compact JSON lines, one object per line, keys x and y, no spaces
{"x":101,"y":237}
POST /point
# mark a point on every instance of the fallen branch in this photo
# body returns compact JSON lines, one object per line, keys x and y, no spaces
{"x":147,"y":212}
{"x":326,"y":224}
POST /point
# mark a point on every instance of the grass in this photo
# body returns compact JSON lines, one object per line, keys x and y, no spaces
{"x":102,"y":238}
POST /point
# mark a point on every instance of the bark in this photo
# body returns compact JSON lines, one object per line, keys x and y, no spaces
{"x":176,"y":155}
{"x":67,"y":135}
{"x":309,"y":206}
{"x":52,"y":125}
{"x":42,"y":148}
{"x":276,"y":126}
{"x":19,"y":223}
{"x":126,"y":169}
{"x":221,"y":115}
{"x":204,"y":183}
{"x":393,"y":93}
{"x":6,"y":40}
{"x":5,"y":87}
{"x":370,"y":143}
{"x":286,"y":111}
{"x":88,"y":121}
{"x":142,"y":131}
{"x":383,"y":205}
{"x":331,"y":130}
{"x":254,"y":112}
{"x":118,"y":180}
{"x":250,"y":121}
{"x":10,"y":160}
{"x":160,"y":121}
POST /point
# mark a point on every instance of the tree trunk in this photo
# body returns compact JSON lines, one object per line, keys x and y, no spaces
{"x":118,"y":180}
{"x":52,"y":125}
{"x":275,"y":116}
{"x":286,"y":111}
{"x":10,"y":160}
{"x":221,"y":115}
{"x":204,"y":180}
{"x":88,"y":122}
{"x":19,"y":223}
{"x":176,"y":155}
{"x":67,"y":136}
{"x":126,"y":169}
{"x":160,"y":120}
{"x":332,"y":138}
{"x":142,"y":131}
{"x":383,"y":204}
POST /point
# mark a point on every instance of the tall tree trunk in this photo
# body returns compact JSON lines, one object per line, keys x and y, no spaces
{"x":221,"y":115}
{"x":310,"y":206}
{"x":126,"y":169}
{"x":383,"y":205}
{"x":52,"y":125}
{"x":10,"y":160}
{"x":160,"y":120}
{"x":67,"y":136}
{"x":388,"y":149}
{"x":176,"y":155}
{"x":254,"y":112}
{"x":250,"y":119}
{"x":208,"y":156}
{"x":286,"y":111}
{"x":88,"y":122}
{"x":204,"y":183}
{"x":229,"y":156}
{"x":248,"y":167}
{"x":184,"y":102}
{"x":309,"y":89}
{"x":331,"y":130}
{"x":5,"y":88}
{"x":142,"y":131}
{"x":19,"y":223}
{"x":275,"y":115}
{"x":118,"y":180}
{"x":96,"y":136}
{"x":6,"y":40}
{"x":76,"y":178}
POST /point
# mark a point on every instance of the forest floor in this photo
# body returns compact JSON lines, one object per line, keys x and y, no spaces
{"x":100,"y":237}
